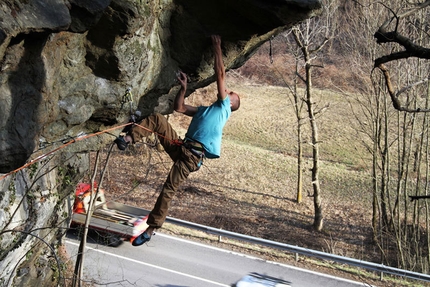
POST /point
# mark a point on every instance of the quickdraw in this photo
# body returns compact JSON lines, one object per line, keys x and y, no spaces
{"x":128,"y":98}
{"x":270,"y":51}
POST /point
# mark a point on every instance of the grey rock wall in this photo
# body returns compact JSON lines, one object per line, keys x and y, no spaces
{"x":65,"y":66}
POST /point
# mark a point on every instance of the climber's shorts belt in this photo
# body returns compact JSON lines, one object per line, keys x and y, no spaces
{"x":196,"y":148}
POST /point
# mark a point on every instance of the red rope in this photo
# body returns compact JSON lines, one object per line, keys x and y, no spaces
{"x":60,"y":147}
{"x":37,"y":159}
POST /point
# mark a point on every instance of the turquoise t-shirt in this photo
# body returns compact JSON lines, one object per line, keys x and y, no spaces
{"x":207,"y":125}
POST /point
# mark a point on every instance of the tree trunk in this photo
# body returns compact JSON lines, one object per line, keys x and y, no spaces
{"x":302,"y":39}
{"x":299,"y":166}
{"x":318,"y":217}
{"x":298,"y":109}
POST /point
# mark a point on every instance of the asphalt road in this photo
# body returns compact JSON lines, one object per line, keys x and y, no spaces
{"x":167,"y":261}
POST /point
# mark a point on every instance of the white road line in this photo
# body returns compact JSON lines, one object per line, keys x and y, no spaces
{"x":151,"y":265}
{"x":267,"y":261}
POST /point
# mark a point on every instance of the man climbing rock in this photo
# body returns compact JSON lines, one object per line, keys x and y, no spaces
{"x":202,"y":140}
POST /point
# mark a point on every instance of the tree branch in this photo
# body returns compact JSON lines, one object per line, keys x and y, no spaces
{"x":320,"y":46}
{"x":411,"y":49}
{"x":395,"y":96}
{"x":385,"y":36}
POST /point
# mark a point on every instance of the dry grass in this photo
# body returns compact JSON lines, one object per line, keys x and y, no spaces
{"x":251,"y":189}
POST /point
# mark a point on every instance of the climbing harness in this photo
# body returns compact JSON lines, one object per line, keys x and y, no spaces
{"x":195,"y":147}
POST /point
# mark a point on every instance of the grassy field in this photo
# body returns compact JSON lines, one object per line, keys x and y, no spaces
{"x":251,"y":189}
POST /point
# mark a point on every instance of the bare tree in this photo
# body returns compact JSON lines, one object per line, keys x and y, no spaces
{"x":298,"y":107}
{"x":396,"y":125}
{"x":292,"y":81}
{"x":311,"y":37}
{"x":396,"y":30}
{"x":79,"y":264}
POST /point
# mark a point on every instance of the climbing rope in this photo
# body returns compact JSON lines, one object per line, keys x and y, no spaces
{"x":82,"y":137}
{"x":126,"y":98}
{"x":73,"y":140}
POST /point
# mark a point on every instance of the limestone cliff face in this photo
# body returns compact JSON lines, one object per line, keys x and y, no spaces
{"x":65,"y":65}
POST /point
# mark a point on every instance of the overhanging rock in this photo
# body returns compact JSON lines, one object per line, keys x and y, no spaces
{"x":65,"y":64}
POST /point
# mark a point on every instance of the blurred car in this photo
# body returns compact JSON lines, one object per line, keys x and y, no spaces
{"x":259,"y":280}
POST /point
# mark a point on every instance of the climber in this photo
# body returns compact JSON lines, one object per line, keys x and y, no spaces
{"x":202,"y":140}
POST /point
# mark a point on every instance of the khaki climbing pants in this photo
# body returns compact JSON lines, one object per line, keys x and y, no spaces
{"x":184,"y":160}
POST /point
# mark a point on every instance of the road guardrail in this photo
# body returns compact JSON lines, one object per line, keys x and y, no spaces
{"x":304,"y":251}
